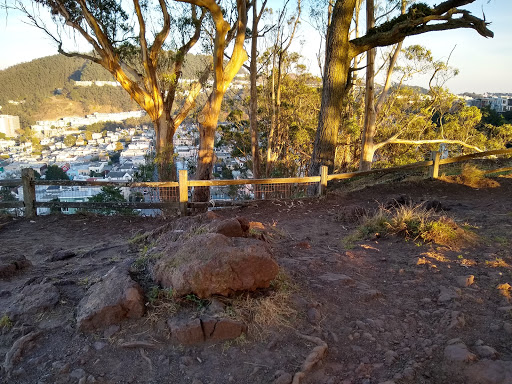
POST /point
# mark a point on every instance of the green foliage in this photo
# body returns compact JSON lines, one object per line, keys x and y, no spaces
{"x":416,"y":10}
{"x":146,"y":171}
{"x":199,"y":303}
{"x":111,"y":195}
{"x":6,"y":194}
{"x":54,"y":172}
{"x":5,"y":322}
{"x":70,"y":140}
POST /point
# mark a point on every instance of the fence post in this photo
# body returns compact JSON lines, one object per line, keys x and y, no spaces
{"x":29,"y":192}
{"x":434,"y":168}
{"x":183,"y":187}
{"x":324,"y":171}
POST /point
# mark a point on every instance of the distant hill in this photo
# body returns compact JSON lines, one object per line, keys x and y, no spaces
{"x":44,"y":88}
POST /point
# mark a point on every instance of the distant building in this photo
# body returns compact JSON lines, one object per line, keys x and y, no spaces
{"x":9,"y":125}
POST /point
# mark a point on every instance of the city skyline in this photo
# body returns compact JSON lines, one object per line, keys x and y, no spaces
{"x":483,"y":63}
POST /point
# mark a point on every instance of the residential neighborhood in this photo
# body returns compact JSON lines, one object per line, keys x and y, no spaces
{"x":110,"y":156}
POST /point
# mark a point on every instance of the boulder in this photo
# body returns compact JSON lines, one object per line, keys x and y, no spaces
{"x":10,"y":265}
{"x":212,"y":263}
{"x":33,"y":299}
{"x":110,"y":301}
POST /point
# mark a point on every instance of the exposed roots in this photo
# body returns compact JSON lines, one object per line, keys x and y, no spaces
{"x":317,"y":354}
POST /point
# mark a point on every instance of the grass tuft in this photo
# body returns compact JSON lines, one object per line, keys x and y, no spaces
{"x":5,"y":322}
{"x":471,"y":176}
{"x":412,"y":223}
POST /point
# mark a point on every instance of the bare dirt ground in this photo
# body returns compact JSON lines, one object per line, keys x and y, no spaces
{"x":389,"y":310}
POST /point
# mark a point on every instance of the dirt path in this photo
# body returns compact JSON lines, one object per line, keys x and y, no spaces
{"x":390,"y":310}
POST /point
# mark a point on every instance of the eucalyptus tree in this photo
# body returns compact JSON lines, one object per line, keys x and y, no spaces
{"x":341,"y":52}
{"x":131,"y":40}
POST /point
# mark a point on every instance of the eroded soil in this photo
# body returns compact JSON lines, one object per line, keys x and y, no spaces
{"x":387,"y":308}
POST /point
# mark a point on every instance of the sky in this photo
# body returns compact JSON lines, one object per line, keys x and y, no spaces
{"x":484,"y":64}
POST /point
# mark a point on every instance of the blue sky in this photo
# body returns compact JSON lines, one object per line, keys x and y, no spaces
{"x":484,"y":64}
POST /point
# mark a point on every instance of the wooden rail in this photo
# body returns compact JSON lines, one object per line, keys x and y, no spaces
{"x":30,"y":204}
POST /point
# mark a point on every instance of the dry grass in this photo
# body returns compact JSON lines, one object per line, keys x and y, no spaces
{"x":161,"y":304}
{"x":471,"y":176}
{"x":498,"y":263}
{"x":413,"y":223}
{"x":269,"y":310}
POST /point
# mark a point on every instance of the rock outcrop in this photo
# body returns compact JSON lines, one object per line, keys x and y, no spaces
{"x":212,"y":263}
{"x":114,"y":298}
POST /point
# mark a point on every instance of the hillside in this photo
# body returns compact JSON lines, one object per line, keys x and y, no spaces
{"x":44,"y":88}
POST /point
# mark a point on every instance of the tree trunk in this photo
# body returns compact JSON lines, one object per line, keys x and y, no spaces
{"x":255,"y":149}
{"x":337,"y":66}
{"x":273,"y":122}
{"x":367,"y":147}
{"x":206,"y":158}
{"x":164,"y":131}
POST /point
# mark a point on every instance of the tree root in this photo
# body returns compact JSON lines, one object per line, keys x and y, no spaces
{"x":145,"y":357}
{"x":317,"y":354}
{"x":17,"y":350}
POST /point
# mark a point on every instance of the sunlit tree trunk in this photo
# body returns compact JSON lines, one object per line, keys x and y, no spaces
{"x":367,"y":148}
{"x":338,"y":58}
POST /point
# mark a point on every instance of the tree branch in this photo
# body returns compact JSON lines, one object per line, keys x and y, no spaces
{"x":162,"y":35}
{"x":417,"y":142}
{"x":189,"y":102}
{"x":442,"y":14}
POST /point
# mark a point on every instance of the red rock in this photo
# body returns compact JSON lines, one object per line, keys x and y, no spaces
{"x":110,"y":301}
{"x":230,"y":228}
{"x":212,"y":263}
{"x":186,"y":331}
{"x":195,"y":331}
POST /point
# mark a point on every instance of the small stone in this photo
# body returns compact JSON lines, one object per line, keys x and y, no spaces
{"x":77,"y":373}
{"x":216,"y":307}
{"x":19,"y":372}
{"x":186,"y":360}
{"x":448,"y":294}
{"x":337,"y":277}
{"x":507,"y":327}
{"x":63,"y":254}
{"x":390,"y":357}
{"x":371,"y":294}
{"x":465,"y":281}
{"x":91,"y":379}
{"x":111,"y":331}
{"x":99,"y":345}
{"x":458,"y":352}
{"x":486,"y":352}
{"x":314,"y":316}
{"x":196,"y":381}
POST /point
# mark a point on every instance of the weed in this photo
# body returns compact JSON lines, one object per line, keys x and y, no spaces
{"x":5,"y":322}
{"x":157,"y":294}
{"x":501,"y":240}
{"x":84,"y":281}
{"x":200,"y":303}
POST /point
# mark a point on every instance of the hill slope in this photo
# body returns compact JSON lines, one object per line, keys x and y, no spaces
{"x":44,"y":88}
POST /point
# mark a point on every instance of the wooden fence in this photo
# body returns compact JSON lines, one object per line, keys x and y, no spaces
{"x":30,"y":203}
